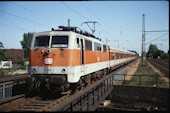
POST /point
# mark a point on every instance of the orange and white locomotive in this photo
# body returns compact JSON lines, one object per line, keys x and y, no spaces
{"x":66,"y":57}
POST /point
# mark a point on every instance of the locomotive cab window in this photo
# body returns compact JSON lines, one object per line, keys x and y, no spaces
{"x":59,"y":41}
{"x":42,"y":41}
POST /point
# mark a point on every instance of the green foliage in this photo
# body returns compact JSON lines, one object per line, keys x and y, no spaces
{"x":154,"y":52}
{"x":25,"y":43}
{"x":165,"y":56}
{"x":134,"y":52}
{"x":2,"y":52}
{"x":2,"y":72}
{"x":152,"y":49}
{"x":1,"y":45}
{"x":157,"y":54}
{"x":22,"y":65}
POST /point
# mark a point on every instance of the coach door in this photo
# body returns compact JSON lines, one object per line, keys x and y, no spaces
{"x":82,"y":54}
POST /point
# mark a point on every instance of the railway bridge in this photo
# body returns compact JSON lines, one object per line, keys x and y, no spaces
{"x":90,"y":97}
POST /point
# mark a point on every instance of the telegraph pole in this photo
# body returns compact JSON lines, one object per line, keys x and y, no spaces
{"x":143,"y":41}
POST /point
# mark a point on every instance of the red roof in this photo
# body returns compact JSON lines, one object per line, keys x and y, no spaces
{"x":14,"y":54}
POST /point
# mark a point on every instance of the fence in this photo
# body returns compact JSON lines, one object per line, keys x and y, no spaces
{"x":141,"y":80}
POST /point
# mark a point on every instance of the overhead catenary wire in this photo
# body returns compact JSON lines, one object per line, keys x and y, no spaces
{"x":83,"y":17}
{"x":158,"y":31}
{"x":75,"y":11}
{"x":108,"y":26}
{"x":15,"y":25}
{"x":25,"y":19}
{"x":20,"y":28}
{"x":156,"y":38}
{"x":36,"y":13}
{"x":138,"y":17}
{"x":155,"y":20}
{"x":95,"y":15}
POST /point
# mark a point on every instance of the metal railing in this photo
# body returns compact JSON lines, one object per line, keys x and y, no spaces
{"x":141,"y":80}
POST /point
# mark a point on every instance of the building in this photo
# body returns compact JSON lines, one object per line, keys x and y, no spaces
{"x":14,"y":55}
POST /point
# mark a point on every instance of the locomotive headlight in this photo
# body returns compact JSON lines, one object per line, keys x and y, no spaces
{"x":48,"y":61}
{"x":48,"y":51}
{"x":34,"y":70}
{"x":63,"y":70}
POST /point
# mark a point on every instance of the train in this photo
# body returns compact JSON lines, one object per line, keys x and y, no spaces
{"x":68,"y":58}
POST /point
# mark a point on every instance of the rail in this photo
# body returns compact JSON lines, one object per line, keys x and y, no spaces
{"x":162,"y":66}
{"x":14,"y":78}
{"x":87,"y":99}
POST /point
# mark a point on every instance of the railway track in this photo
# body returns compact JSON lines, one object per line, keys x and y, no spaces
{"x":161,"y":65}
{"x":35,"y":103}
{"x":13,"y":77}
{"x":38,"y":104}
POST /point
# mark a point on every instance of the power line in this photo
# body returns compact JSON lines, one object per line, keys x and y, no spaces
{"x":95,"y":15}
{"x":74,"y":10}
{"x":158,"y":31}
{"x":129,"y":22}
{"x":13,"y":24}
{"x":35,"y":12}
{"x":20,"y":28}
{"x":156,"y":20}
{"x":77,"y":12}
{"x":24,"y":19}
{"x":99,"y":19}
{"x":110,"y":27}
{"x":156,"y":38}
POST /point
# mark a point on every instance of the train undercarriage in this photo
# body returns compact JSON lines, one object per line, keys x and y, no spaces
{"x":58,"y":84}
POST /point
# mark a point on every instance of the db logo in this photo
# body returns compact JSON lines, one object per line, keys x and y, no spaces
{"x":48,"y":61}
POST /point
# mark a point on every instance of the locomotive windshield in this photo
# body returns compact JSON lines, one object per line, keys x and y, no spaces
{"x":42,"y":41}
{"x":59,"y":41}
{"x":56,"y":41}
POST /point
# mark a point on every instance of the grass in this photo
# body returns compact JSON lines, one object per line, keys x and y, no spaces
{"x":6,"y":72}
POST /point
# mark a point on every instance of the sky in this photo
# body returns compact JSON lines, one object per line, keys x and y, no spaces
{"x":119,"y":22}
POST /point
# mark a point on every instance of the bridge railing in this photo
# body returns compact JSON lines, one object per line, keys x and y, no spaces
{"x":141,"y":80}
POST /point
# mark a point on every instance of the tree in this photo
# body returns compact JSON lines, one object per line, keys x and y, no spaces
{"x":165,"y":56}
{"x":158,"y":54}
{"x":134,"y":52}
{"x":25,"y":43}
{"x":154,"y":52}
{"x":1,"y":45}
{"x":2,"y":51}
{"x":152,"y":49}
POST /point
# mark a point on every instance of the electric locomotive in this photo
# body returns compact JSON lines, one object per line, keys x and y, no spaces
{"x":66,"y":58}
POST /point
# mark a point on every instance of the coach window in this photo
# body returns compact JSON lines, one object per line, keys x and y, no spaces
{"x":88,"y":45}
{"x":97,"y":46}
{"x":113,"y":56}
{"x":117,"y":55}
